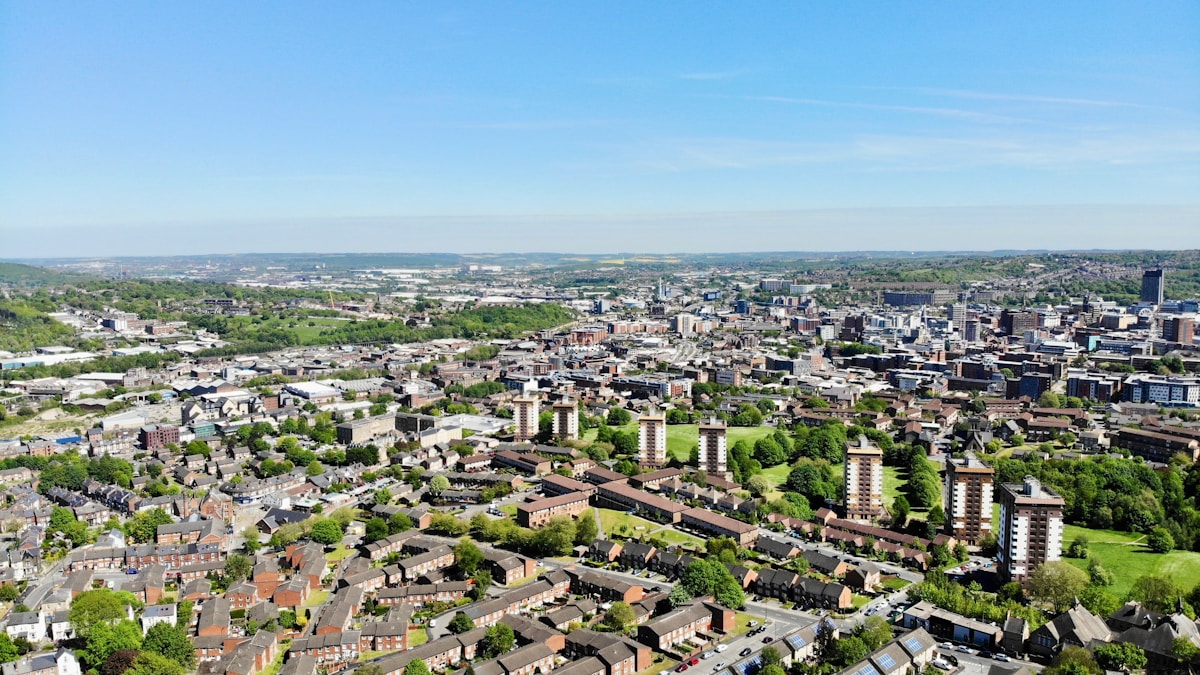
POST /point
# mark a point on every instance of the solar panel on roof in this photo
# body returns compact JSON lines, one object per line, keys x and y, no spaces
{"x":866,"y":670}
{"x":887,"y":661}
{"x":797,"y":641}
{"x":913,"y":644}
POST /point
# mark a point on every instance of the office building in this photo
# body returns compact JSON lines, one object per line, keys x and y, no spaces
{"x":1031,"y":528}
{"x":525,"y":418}
{"x":969,"y":499}
{"x":566,"y":421}
{"x":652,"y":440}
{"x":713,"y":449}
{"x":1181,"y":329}
{"x":1152,"y":287}
{"x":1172,"y":390}
{"x":863,"y":478}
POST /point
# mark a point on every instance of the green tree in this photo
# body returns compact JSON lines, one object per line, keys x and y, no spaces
{"x":94,"y":608}
{"x":467,"y":557}
{"x":900,"y":511}
{"x":771,"y":656}
{"x":1124,"y":656}
{"x":416,"y":667}
{"x":1078,"y":547}
{"x":758,"y":485}
{"x":1074,"y":661}
{"x":326,"y":531}
{"x":439,"y":484}
{"x":119,"y":662}
{"x":1098,"y":575}
{"x":498,"y":640}
{"x":238,"y":567}
{"x":679,"y":596}
{"x":104,"y":638}
{"x":171,"y":642}
{"x":1156,"y":593}
{"x":8,"y":650}
{"x":619,"y":617}
{"x":151,"y":663}
{"x":461,"y":623}
{"x":1160,"y":540}
{"x":586,"y":530}
{"x":1057,"y":583}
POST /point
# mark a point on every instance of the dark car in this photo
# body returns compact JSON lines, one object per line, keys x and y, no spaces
{"x":767,"y":639}
{"x":985,"y":655}
{"x":682,"y":667}
{"x":745,"y":652}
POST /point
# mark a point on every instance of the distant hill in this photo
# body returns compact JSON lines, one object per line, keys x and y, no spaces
{"x":16,"y":274}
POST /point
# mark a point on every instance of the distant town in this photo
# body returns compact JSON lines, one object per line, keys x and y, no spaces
{"x":855,"y":464}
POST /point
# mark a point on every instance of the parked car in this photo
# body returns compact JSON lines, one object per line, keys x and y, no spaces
{"x":946,"y":645}
{"x":964,"y":649}
{"x":1001,"y":656}
{"x":682,"y":667}
{"x":745,"y":652}
{"x":719,"y":666}
{"x":753,"y":624}
{"x":693,"y":661}
{"x":941,"y":663}
{"x":722,"y":648}
{"x":985,"y":655}
{"x":707,"y":655}
{"x":767,"y":639}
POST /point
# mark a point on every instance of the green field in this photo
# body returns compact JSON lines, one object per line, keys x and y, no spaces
{"x":682,"y":437}
{"x":612,"y":520}
{"x":1128,"y":562}
{"x":673,"y":536}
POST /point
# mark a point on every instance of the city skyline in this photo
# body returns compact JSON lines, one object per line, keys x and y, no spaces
{"x":146,"y":129}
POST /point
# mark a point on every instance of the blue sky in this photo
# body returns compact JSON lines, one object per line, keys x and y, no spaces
{"x":145,"y":128}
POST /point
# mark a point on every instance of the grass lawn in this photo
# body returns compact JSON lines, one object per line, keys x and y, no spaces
{"x":673,"y":536}
{"x":372,"y":654}
{"x":860,"y":601}
{"x":612,"y":521}
{"x":339,"y":554}
{"x":682,"y":437}
{"x":659,"y":667}
{"x":1129,"y":561}
{"x":317,"y":598}
{"x":416,"y":637}
{"x":895,"y":583}
{"x":509,"y":510}
{"x":741,"y":623}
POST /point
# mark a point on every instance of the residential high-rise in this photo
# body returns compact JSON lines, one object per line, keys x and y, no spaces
{"x":652,"y":440}
{"x":713,"y":451}
{"x":1152,"y":287}
{"x":969,"y":499}
{"x":958,"y":317}
{"x":863,"y":478}
{"x":1031,"y":528}
{"x":566,"y":420}
{"x":1181,"y":329}
{"x":525,"y":418}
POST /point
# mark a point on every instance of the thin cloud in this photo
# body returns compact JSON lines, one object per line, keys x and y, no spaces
{"x":1026,"y":98}
{"x":722,"y":75}
{"x":973,"y":115}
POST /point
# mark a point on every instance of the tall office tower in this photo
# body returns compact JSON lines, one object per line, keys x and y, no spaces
{"x":652,"y":440}
{"x":1152,"y":287}
{"x":958,"y":317}
{"x":566,"y":421}
{"x":525,"y":418}
{"x":969,"y":499}
{"x":713,"y":451}
{"x":863,"y":478}
{"x":971,"y":330}
{"x":1031,"y":528}
{"x":1181,"y":329}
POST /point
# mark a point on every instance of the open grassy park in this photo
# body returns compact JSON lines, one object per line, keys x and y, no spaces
{"x":1126,"y":556}
{"x":623,"y":524}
